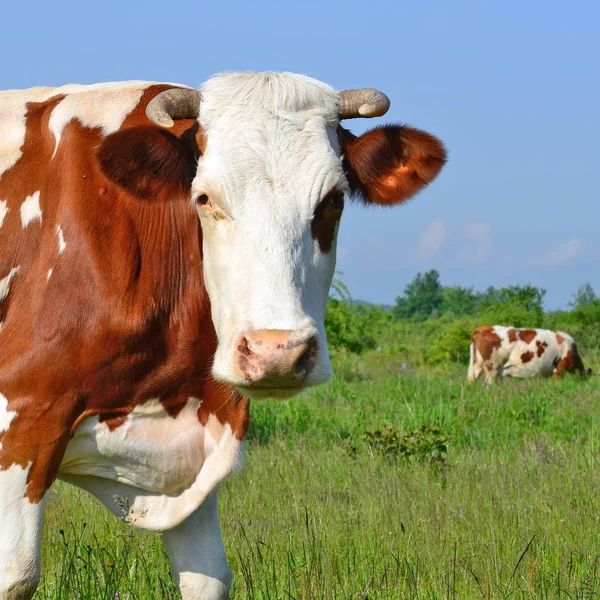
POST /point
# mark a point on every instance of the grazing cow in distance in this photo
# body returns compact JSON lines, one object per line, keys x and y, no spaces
{"x":165,"y":254}
{"x":511,"y":352}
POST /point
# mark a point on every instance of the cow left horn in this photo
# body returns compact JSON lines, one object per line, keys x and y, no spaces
{"x":178,"y":103}
{"x":366,"y":102}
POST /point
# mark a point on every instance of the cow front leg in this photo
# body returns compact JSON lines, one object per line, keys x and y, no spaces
{"x":197,"y":555}
{"x":492,"y":373}
{"x":31,"y":449}
{"x":21,"y":521}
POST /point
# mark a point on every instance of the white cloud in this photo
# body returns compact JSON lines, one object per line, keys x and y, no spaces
{"x":431,"y":240}
{"x":479,"y":246}
{"x":563,"y":254}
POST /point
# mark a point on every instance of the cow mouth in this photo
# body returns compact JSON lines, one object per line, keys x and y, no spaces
{"x":256,"y":392}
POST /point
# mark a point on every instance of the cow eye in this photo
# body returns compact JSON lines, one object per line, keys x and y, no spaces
{"x":337,"y":201}
{"x":202,"y":200}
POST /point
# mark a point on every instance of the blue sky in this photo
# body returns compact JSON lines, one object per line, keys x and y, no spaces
{"x":512,"y":87}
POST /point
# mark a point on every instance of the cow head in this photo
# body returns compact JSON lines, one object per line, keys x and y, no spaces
{"x":269,"y":190}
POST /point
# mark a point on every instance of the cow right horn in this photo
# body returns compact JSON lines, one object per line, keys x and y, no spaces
{"x":177,"y":103}
{"x":366,"y":102}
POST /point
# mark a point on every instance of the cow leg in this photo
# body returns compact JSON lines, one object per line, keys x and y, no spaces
{"x":30,"y":453}
{"x":491,"y":374}
{"x":197,"y":555}
{"x":21,"y":522}
{"x":475,"y":364}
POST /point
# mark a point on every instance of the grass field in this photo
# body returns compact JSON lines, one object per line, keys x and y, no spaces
{"x":318,"y":513}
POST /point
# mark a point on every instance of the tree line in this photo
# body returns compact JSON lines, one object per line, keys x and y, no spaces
{"x":441,"y":317}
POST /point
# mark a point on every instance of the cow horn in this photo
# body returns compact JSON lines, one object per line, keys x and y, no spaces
{"x":177,"y":103}
{"x":366,"y":102}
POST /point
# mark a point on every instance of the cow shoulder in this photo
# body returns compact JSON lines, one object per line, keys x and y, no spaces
{"x":487,"y":339}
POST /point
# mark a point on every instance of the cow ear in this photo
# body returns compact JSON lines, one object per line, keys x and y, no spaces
{"x":147,"y":162}
{"x":390,"y":164}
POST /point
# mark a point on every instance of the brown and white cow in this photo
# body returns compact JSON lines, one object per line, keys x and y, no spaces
{"x":511,"y":352}
{"x":166,"y":253}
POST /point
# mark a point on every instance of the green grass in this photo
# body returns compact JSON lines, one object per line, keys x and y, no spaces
{"x":317,"y":514}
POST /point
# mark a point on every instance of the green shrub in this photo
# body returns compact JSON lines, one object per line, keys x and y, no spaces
{"x":512,"y":314}
{"x":355,"y":327}
{"x":424,"y":445}
{"x":452,"y":344}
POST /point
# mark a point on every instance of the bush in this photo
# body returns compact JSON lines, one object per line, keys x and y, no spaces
{"x":452,"y":345}
{"x":512,"y":314}
{"x":355,"y":328}
{"x":424,"y":445}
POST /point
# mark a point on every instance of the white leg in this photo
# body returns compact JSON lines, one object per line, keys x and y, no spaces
{"x":491,"y":376}
{"x":21,"y":524}
{"x":475,"y":364}
{"x":197,"y":555}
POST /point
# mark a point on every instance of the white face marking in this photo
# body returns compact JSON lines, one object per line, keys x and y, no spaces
{"x":30,"y":209}
{"x":62,"y":245}
{"x":272,"y":155}
{"x":3,"y":211}
{"x":50,"y":271}
{"x":6,"y":416}
{"x":5,"y":283}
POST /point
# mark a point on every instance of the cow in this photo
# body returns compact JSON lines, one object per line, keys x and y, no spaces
{"x":165,"y":256}
{"x":511,"y":352}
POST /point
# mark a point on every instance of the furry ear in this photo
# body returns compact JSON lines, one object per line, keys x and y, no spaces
{"x":389,"y":164}
{"x":147,"y":162}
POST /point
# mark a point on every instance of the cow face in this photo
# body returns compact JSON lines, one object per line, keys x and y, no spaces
{"x":269,"y":189}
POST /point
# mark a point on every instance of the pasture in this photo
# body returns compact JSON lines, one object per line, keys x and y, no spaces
{"x":323,"y":510}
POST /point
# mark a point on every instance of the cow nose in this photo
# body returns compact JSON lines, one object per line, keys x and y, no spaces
{"x":275,"y":357}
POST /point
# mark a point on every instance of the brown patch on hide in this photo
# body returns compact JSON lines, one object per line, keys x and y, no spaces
{"x":325,"y":220}
{"x":527,"y":356}
{"x":114,"y":421}
{"x":486,"y":341}
{"x":541,"y":347}
{"x":527,"y":335}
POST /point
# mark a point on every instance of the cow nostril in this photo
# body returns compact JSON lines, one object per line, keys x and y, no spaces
{"x":243,"y":348}
{"x":307,"y":359}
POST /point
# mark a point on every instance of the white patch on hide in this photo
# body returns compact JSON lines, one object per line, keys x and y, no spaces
{"x":30,"y":209}
{"x":104,"y":105}
{"x":5,"y":283}
{"x":50,"y":271}
{"x":13,"y":123}
{"x":164,"y":467}
{"x":92,"y":105}
{"x":62,"y":245}
{"x":21,"y":525}
{"x":13,"y":107}
{"x":3,"y":211}
{"x":6,"y":416}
